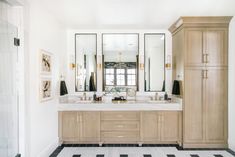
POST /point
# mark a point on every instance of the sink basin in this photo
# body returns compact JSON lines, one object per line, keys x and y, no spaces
{"x":158,"y":101}
{"x":84,"y":101}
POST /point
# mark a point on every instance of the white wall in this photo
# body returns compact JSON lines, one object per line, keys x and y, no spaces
{"x":232,"y":85}
{"x":43,"y":32}
{"x":14,"y":15}
{"x":71,"y":52}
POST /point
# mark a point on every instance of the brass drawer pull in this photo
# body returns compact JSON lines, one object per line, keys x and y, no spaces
{"x":207,"y":56}
{"x":205,"y":74}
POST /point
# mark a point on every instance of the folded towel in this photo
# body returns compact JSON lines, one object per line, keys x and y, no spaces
{"x":63,"y":88}
{"x":176,"y":87}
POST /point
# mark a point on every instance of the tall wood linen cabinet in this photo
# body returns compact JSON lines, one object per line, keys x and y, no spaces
{"x":200,"y":61}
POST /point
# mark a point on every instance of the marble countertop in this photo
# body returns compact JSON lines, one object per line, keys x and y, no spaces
{"x":120,"y":106}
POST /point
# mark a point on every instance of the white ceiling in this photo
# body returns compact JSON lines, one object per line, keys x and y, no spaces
{"x":132,"y":14}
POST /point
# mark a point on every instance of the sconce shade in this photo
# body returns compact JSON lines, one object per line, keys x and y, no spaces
{"x":176,"y":87}
{"x":63,"y":88}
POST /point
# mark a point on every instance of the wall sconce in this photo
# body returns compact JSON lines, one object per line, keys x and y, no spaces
{"x":141,"y":66}
{"x":168,"y":62}
{"x":99,"y":62}
{"x":141,"y":63}
{"x":72,"y":66}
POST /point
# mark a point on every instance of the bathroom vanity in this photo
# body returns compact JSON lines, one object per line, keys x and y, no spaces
{"x":118,"y":123}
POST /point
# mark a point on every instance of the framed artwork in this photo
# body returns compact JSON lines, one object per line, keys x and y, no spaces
{"x":45,"y":89}
{"x":45,"y":62}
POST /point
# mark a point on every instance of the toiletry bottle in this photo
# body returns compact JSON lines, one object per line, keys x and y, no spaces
{"x":166,"y":96}
{"x":94,"y":97}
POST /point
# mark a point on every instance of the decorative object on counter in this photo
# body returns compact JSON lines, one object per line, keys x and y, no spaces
{"x":120,"y":98}
{"x":130,"y":94}
{"x":63,"y":87}
{"x":45,"y":89}
{"x":98,"y":98}
{"x":176,"y":87}
{"x":45,"y":62}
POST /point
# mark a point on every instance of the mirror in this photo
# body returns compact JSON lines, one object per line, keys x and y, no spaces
{"x":85,"y":60}
{"x":154,"y":62}
{"x":120,"y":61}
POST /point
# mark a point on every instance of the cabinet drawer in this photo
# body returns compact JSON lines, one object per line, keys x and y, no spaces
{"x":120,"y":116}
{"x":120,"y":125}
{"x":120,"y":136}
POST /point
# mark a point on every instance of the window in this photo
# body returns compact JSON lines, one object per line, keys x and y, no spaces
{"x":120,"y":77}
{"x":131,"y":77}
{"x":109,"y":74}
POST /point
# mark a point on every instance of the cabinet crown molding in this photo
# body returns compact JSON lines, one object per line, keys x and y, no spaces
{"x":200,"y":21}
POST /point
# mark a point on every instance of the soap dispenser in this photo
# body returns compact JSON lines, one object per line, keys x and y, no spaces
{"x":156,"y":96}
{"x":94,"y":97}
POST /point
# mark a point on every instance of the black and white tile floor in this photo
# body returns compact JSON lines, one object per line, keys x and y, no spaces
{"x":136,"y":152}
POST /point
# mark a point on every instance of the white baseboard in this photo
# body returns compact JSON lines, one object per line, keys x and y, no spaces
{"x":232,"y":145}
{"x":49,"y":149}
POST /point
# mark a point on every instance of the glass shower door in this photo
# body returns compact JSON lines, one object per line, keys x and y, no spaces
{"x":8,"y":91}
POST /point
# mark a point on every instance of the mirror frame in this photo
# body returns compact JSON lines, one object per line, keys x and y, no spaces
{"x":76,"y":34}
{"x":137,"y":62}
{"x":164,"y":59}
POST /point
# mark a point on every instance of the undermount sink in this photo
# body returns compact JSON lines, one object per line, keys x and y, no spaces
{"x":84,"y":101}
{"x":157,"y":101}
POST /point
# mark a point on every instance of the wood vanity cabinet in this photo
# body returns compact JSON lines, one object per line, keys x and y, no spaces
{"x":200,"y":61}
{"x":206,"y":46}
{"x":81,"y":127}
{"x":69,"y":126}
{"x":150,"y":126}
{"x":90,"y":128}
{"x":205,"y":108}
{"x":161,"y":127}
{"x":120,"y":127}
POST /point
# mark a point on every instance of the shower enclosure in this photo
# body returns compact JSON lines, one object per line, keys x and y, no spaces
{"x":9,"y":144}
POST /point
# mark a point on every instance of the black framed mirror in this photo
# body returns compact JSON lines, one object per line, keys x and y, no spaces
{"x":154,"y":53}
{"x":120,"y":61}
{"x":85,"y":62}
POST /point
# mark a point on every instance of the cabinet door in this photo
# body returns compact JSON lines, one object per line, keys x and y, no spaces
{"x":216,"y":105}
{"x":90,"y":131}
{"x":193,"y":106}
{"x":216,"y":47}
{"x":150,"y":129}
{"x":194,"y":47}
{"x":70,"y":131}
{"x":170,"y":126}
